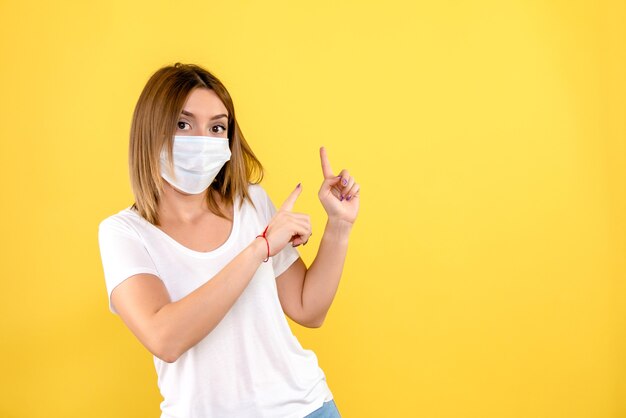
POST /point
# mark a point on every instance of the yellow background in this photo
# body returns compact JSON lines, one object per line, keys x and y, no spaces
{"x":486,"y":271}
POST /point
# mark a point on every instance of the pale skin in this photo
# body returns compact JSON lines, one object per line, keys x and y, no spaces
{"x":168,"y":329}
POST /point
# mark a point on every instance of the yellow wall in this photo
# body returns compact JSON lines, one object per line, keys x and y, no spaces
{"x":486,"y":273}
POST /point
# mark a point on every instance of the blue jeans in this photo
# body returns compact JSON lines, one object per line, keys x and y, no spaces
{"x":328,"y":410}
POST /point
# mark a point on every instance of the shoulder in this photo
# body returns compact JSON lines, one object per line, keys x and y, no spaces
{"x":262,"y":202}
{"x":125,"y":221}
{"x":256,"y":188}
{"x":257,"y":193}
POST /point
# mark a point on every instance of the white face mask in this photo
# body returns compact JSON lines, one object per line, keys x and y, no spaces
{"x":197,"y":160}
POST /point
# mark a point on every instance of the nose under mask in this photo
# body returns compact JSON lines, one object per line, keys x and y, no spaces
{"x":197,"y":160}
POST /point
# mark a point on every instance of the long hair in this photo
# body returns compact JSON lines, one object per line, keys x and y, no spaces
{"x":154,"y":125}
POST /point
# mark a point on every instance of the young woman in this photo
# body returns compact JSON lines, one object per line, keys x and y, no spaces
{"x":202,"y":268}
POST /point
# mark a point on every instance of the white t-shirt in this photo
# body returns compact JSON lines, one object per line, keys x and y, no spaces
{"x":250,"y":364}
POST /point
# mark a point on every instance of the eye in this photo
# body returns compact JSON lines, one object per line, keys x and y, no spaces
{"x":181,"y":125}
{"x":218,"y":129}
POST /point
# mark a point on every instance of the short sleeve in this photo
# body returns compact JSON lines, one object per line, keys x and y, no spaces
{"x":287,"y":255}
{"x":123,"y":254}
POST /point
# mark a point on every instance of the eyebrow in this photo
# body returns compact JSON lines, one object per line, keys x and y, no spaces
{"x":184,"y":112}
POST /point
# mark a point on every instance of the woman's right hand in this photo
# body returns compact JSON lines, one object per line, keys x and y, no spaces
{"x":288,"y":227}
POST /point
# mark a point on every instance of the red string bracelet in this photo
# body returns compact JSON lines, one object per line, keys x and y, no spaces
{"x":268,"y":243}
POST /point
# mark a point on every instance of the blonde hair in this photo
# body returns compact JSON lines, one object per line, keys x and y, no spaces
{"x":153,"y":127}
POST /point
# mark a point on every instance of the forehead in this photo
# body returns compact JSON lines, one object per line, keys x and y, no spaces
{"x":204,"y":102}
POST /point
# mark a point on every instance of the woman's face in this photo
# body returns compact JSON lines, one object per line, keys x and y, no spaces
{"x":203,"y":114}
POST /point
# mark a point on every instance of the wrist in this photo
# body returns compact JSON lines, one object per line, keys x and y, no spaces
{"x":338,"y":227}
{"x":259,"y":248}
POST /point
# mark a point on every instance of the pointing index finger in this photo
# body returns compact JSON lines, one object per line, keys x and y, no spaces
{"x":291,"y":199}
{"x":328,"y":172}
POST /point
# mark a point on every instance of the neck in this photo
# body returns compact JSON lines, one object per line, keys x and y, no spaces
{"x":178,"y":207}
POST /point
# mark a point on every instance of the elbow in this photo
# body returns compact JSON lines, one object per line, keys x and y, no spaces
{"x":315,"y":322}
{"x":164,"y":351}
{"x":169,"y":360}
{"x":168,"y":357}
{"x":165,"y":348}
{"x":161,"y":338}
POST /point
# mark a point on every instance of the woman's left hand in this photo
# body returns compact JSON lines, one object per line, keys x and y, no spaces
{"x":339,"y":194}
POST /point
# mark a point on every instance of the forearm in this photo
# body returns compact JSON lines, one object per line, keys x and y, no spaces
{"x":322,"y":278}
{"x":182,"y":324}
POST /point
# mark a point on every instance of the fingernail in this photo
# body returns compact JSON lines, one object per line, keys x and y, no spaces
{"x":344,"y":182}
{"x":341,"y":198}
{"x":298,"y":185}
{"x":349,"y":197}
